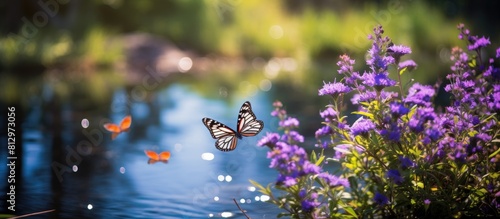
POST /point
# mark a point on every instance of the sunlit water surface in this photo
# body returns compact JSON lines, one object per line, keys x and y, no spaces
{"x":116,"y":181}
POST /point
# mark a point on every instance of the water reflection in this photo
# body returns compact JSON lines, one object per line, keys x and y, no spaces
{"x":207,"y":156}
{"x":112,"y":178}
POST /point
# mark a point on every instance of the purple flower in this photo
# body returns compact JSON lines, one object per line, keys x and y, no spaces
{"x":293,"y":136}
{"x":492,"y":72}
{"x":352,"y":81}
{"x":329,"y":114}
{"x":324,"y":144}
{"x":397,"y":109}
{"x":269,"y":140}
{"x":278,"y":112}
{"x":372,"y":95}
{"x":494,"y":101}
{"x":310,"y":168}
{"x":427,"y":202}
{"x":397,"y":51}
{"x":325,"y":130}
{"x":342,"y":150}
{"x":289,"y":122}
{"x":498,"y":53}
{"x":433,"y":134}
{"x":420,"y":95}
{"x":408,"y":64}
{"x":394,"y":176}
{"x":333,"y":89}
{"x":406,"y":162}
{"x":477,"y":43}
{"x":420,"y":118}
{"x":380,"y":199}
{"x":483,"y":137}
{"x":362,"y":126}
{"x":378,"y":80}
{"x":393,"y":133}
{"x":287,"y":181}
{"x":310,"y":204}
{"x":345,"y":64}
{"x":377,"y":61}
{"x":291,"y":162}
{"x":333,"y":181}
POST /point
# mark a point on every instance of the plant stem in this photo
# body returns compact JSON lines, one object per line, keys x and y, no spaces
{"x":242,"y":211}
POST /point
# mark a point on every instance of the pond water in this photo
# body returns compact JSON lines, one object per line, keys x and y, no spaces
{"x":82,"y":173}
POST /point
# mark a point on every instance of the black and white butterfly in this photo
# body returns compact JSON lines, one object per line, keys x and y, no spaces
{"x":247,"y":126}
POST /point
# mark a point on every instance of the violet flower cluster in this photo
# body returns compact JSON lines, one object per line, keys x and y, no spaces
{"x":403,"y":157}
{"x":293,"y":166}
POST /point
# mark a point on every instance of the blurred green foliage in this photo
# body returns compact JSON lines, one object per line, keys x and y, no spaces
{"x":85,"y":32}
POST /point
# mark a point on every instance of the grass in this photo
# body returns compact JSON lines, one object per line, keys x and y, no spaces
{"x":59,"y":48}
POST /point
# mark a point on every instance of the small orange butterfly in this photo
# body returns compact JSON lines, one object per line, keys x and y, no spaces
{"x":155,"y":157}
{"x":117,"y":129}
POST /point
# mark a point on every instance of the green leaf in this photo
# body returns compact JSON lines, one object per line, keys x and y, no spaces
{"x":412,"y":111}
{"x":464,"y":169}
{"x":481,"y":192}
{"x":350,"y":211}
{"x":320,"y":160}
{"x":349,"y":166}
{"x":313,"y":156}
{"x":365,"y":104}
{"x":265,"y":191}
{"x":494,"y":153}
{"x":420,"y":185}
{"x":472,"y":133}
{"x":402,"y":70}
{"x":368,"y":115}
{"x":472,"y":63}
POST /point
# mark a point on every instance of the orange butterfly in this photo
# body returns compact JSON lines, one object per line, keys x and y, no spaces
{"x":155,"y":157}
{"x":117,"y":129}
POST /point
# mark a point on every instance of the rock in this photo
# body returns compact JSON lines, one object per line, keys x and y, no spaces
{"x":148,"y":56}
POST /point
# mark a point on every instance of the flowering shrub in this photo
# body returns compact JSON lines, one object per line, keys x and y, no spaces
{"x":402,"y":157}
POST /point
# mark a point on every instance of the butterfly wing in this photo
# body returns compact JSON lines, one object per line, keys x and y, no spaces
{"x":151,"y":161}
{"x":112,"y":127}
{"x":248,"y":125}
{"x":164,"y":156}
{"x":226,"y":143}
{"x":226,"y":137}
{"x":125,"y":123}
{"x":114,"y":135}
{"x":152,"y":155}
{"x":217,"y":129}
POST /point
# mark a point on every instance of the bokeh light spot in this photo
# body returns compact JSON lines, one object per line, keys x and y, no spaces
{"x":85,"y":123}
{"x":265,"y":85}
{"x":185,"y":64}
{"x":264,"y":198}
{"x":272,"y":69}
{"x":226,"y":214}
{"x":276,"y":32}
{"x":207,"y":156}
